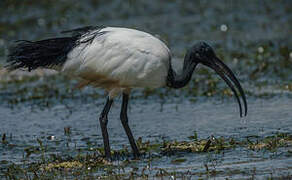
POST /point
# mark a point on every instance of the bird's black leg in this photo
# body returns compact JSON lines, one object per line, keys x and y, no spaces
{"x":124,"y":119}
{"x":103,"y":124}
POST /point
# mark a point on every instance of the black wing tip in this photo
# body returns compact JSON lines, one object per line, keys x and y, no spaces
{"x":18,"y":55}
{"x":82,"y":30}
{"x":47,"y":53}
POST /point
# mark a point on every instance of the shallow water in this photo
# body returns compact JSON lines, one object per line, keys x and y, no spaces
{"x":155,"y":122}
{"x":252,"y":37}
{"x":152,"y":119}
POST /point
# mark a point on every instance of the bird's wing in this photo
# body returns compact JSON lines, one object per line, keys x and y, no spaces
{"x":82,"y":30}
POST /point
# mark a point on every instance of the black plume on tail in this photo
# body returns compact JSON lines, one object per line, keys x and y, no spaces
{"x":45,"y":53}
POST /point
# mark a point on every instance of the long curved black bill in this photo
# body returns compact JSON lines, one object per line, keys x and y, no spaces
{"x":234,"y":79}
{"x":226,"y":74}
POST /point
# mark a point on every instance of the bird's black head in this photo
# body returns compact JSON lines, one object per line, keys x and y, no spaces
{"x":204,"y":54}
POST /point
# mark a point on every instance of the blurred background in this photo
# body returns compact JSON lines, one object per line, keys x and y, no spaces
{"x":229,"y":24}
{"x":253,"y":37}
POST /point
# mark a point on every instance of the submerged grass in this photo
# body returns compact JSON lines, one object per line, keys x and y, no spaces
{"x":271,"y":143}
{"x":91,"y":164}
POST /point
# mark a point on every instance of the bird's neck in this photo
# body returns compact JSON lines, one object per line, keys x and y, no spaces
{"x":175,"y":80}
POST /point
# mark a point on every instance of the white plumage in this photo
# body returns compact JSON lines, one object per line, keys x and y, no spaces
{"x":119,"y":60}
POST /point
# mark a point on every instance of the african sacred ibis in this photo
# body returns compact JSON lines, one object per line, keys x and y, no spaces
{"x":118,"y":60}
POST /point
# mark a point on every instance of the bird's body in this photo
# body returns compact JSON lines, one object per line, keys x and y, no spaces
{"x":118,"y":60}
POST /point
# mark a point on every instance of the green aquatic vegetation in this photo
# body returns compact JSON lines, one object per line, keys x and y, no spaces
{"x":198,"y":146}
{"x":178,"y":161}
{"x":217,"y":145}
{"x":88,"y":161}
{"x":62,"y":165}
{"x":194,"y":137}
{"x":271,"y":143}
{"x":287,"y":87}
{"x":146,"y":147}
{"x":272,"y":60}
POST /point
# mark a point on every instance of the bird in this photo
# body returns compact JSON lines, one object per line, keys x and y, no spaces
{"x":118,"y":60}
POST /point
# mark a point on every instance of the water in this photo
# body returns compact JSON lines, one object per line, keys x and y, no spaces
{"x":154,"y":123}
{"x":252,"y":37}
